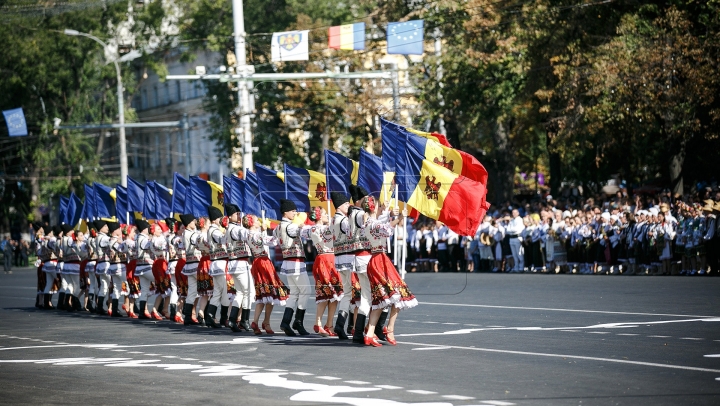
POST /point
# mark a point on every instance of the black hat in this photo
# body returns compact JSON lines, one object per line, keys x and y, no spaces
{"x":141,"y":225}
{"x":187,"y":219}
{"x":354,"y":193}
{"x":47,"y":229}
{"x":231,"y":209}
{"x":170,"y":222}
{"x":99,"y":224}
{"x":114,"y":225}
{"x":287,"y":205}
{"x":338,"y":199}
{"x":66,"y":228}
{"x":57,"y":230}
{"x":361,"y":192}
{"x":214,"y":213}
{"x":91,"y":225}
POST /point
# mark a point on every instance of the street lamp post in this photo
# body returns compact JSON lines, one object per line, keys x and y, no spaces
{"x":121,"y":106}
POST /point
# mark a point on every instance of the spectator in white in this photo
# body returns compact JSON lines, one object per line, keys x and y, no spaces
{"x":514,"y":228}
{"x":442,"y":247}
{"x":455,"y":250}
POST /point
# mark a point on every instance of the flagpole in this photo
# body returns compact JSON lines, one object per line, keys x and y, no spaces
{"x":327,"y":189}
{"x":403,"y":256}
{"x":395,"y":240}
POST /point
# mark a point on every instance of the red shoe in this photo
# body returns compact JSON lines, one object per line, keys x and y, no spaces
{"x":147,"y":315}
{"x":195,"y":320}
{"x":178,"y":319}
{"x":255,"y":328}
{"x":109,"y":313}
{"x":321,"y":331}
{"x":267,"y":328}
{"x":125,"y":309}
{"x":132,"y":315}
{"x":372,"y":342}
{"x":330,"y":331}
{"x":155,"y":315}
{"x":390,"y":341}
{"x":352,"y":333}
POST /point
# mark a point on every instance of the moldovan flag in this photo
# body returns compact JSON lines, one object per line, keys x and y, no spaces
{"x":370,"y":175}
{"x":150,"y":204}
{"x":234,"y":190}
{"x":340,"y":172}
{"x":181,"y":186}
{"x":290,"y":46}
{"x":90,"y":211}
{"x":432,"y":136}
{"x":62,"y":214}
{"x":349,"y":36}
{"x":201,"y":194}
{"x":163,"y":201}
{"x":272,"y":189}
{"x":121,"y":205}
{"x":252,"y":203}
{"x":440,"y":194}
{"x":136,"y":195}
{"x":306,"y":188}
{"x":104,"y":201}
{"x":74,"y":210}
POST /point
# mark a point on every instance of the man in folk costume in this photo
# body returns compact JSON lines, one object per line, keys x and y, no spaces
{"x":192,"y":259}
{"x":71,"y":268}
{"x":39,"y":234}
{"x":219,"y":260}
{"x":293,"y":266}
{"x":91,"y":242}
{"x":239,"y":267}
{"x":117,"y":269}
{"x":143,"y":269}
{"x":49,"y":264}
{"x":105,"y":256}
{"x":161,"y":278}
{"x":62,"y":281}
{"x":174,"y":255}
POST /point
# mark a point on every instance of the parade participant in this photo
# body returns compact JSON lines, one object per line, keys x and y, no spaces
{"x":143,"y":269}
{"x":219,"y":261}
{"x":117,"y":269}
{"x":47,"y":257}
{"x":90,"y":266}
{"x":205,"y":285}
{"x":287,"y":235}
{"x":133,"y":282}
{"x":190,"y":237}
{"x":387,"y":288}
{"x":102,"y":243}
{"x":70,"y":254}
{"x":328,"y":286}
{"x":343,"y":245}
{"x":239,"y":267}
{"x":173,"y":241}
{"x":181,"y":280}
{"x":161,"y":279}
{"x":39,"y":235}
{"x":85,"y":251}
{"x":62,"y":281}
{"x":269,"y":288}
{"x":513,"y":233}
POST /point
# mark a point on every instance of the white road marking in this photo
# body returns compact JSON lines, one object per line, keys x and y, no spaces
{"x":449,"y":324}
{"x":134,"y":352}
{"x":627,"y":334}
{"x":571,"y":331}
{"x":431,"y":322}
{"x":188,"y":359}
{"x":431,"y":349}
{"x":358,"y":382}
{"x":276,"y":370}
{"x":388,"y":387}
{"x":120,"y":350}
{"x":561,"y":310}
{"x":472,"y":325}
{"x":458,"y":397}
{"x":498,"y":403}
{"x":152,"y":355}
{"x":422,"y":392}
{"x":691,"y":338}
{"x":541,"y":354}
{"x":328,"y":378}
{"x":301,"y":373}
{"x":169,"y":356}
{"x":206,"y":362}
{"x":712,"y":356}
{"x":598,"y":332}
{"x":659,"y":336}
{"x":496,"y":326}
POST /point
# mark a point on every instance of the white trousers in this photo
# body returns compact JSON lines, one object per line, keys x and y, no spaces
{"x":220,"y":295}
{"x":518,"y":253}
{"x":299,"y":285}
{"x":243,"y":285}
{"x":104,"y":287}
{"x":63,"y":284}
{"x":118,"y":281}
{"x":192,"y":289}
{"x":49,"y":280}
{"x":146,"y":280}
{"x":365,"y":292}
{"x":173,"y":293}
{"x":346,"y":279}
{"x":72,"y":284}
{"x":93,"y":287}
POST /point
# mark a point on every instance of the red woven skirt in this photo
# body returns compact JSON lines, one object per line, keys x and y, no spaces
{"x":328,"y":285}
{"x":181,"y":280}
{"x":269,"y":288}
{"x":84,"y":282}
{"x":162,"y":277}
{"x":133,"y":281}
{"x":386,"y":285}
{"x":204,"y":280}
{"x":356,"y":295}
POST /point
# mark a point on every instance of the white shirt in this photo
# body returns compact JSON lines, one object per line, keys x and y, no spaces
{"x":515,"y":227}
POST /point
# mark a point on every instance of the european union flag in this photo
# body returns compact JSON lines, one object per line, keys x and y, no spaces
{"x":15,"y":120}
{"x":405,"y":38}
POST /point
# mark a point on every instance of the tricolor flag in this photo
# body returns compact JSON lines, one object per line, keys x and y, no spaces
{"x":370,"y":175}
{"x":432,"y":136}
{"x":104,"y":201}
{"x":74,"y":210}
{"x":290,"y":46}
{"x":306,"y":188}
{"x":62,"y":214}
{"x":201,"y":194}
{"x":440,"y":194}
{"x":90,"y":211}
{"x":234,"y":188}
{"x":121,"y":205}
{"x":252,"y":203}
{"x":349,"y":36}
{"x":272,"y":188}
{"x":163,"y":201}
{"x":149,"y":205}
{"x":136,"y":195}
{"x":340,"y":172}
{"x":180,"y":189}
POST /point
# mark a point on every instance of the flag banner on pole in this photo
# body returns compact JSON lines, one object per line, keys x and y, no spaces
{"x":306,"y":188}
{"x":90,"y":208}
{"x":348,"y":36}
{"x":390,"y":134}
{"x":458,"y":162}
{"x":405,"y":38}
{"x":290,"y":46}
{"x":180,"y":189}
{"x":340,"y":172}
{"x":442,"y":195}
{"x":370,"y":175}
{"x":272,"y":189}
{"x":238,"y":192}
{"x":431,"y":136}
{"x":204,"y":193}
{"x":163,"y":201}
{"x":16,"y":124}
{"x":228,"y":190}
{"x":121,"y":205}
{"x":74,"y":210}
{"x":149,"y":206}
{"x":252,"y":202}
{"x":136,"y":195}
{"x":104,"y":201}
{"x":62,"y":214}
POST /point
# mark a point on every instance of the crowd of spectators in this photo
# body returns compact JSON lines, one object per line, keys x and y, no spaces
{"x":648,"y":233}
{"x":15,"y":253}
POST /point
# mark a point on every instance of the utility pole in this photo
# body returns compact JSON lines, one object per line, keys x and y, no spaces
{"x":243,"y":131}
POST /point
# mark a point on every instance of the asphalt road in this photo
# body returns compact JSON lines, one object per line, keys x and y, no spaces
{"x":495,"y":340}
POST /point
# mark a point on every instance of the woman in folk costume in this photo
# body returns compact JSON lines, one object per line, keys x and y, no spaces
{"x":191,"y":238}
{"x":102,"y":244}
{"x":71,"y":252}
{"x":239,"y":268}
{"x":143,"y":270}
{"x":205,"y":285}
{"x":90,"y":277}
{"x":173,"y":256}
{"x":328,"y":286}
{"x":43,"y":255}
{"x":269,"y":288}
{"x":118,"y":271}
{"x":161,"y":278}
{"x":215,"y":238}
{"x":181,"y":280}
{"x":133,"y":282}
{"x":387,"y":288}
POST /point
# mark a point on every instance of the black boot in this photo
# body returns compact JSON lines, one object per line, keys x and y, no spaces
{"x":298,"y":324}
{"x":350,"y":323}
{"x":233,"y":319}
{"x":187,"y":312}
{"x":339,"y":328}
{"x":78,"y":306}
{"x":285,"y":324}
{"x":90,"y":303}
{"x":210,"y":311}
{"x":245,"y":319}
{"x":143,"y":310}
{"x":173,"y":311}
{"x":38,"y":301}
{"x":48,"y":302}
{"x":115,"y":308}
{"x":61,"y":301}
{"x":223,"y":316}
{"x":99,"y":305}
{"x":70,"y":305}
{"x":359,"y":336}
{"x":379,"y":327}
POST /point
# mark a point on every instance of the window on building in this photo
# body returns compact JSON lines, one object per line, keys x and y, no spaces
{"x":144,"y":99}
{"x":135,"y":153}
{"x":156,"y":96}
{"x":196,"y":89}
{"x":181,"y":148}
{"x":168,"y":144}
{"x":178,"y":90}
{"x":156,"y":152}
{"x":166,"y":96}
